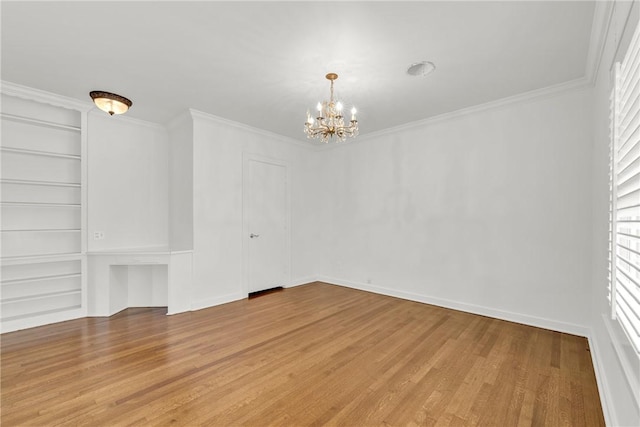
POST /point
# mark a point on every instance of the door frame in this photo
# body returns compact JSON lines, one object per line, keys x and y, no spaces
{"x":248,"y":157}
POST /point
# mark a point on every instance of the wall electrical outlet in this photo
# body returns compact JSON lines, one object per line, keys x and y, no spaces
{"x":98,"y":235}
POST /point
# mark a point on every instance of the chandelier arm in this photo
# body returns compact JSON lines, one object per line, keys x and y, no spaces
{"x":320,"y":130}
{"x":323,"y":127}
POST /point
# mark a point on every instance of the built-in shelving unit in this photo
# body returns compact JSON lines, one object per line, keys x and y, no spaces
{"x":42,"y":207}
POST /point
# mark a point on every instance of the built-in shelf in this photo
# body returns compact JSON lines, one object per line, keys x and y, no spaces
{"x":43,"y":217}
{"x":40,"y":153}
{"x":40,"y":296}
{"x":43,"y":230}
{"x":44,"y":183}
{"x":39,"y":258}
{"x":42,"y":204}
{"x":39,"y":122}
{"x":41,"y":313}
{"x":40,"y":278}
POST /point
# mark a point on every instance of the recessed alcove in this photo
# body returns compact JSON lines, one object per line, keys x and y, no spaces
{"x":139,"y":285}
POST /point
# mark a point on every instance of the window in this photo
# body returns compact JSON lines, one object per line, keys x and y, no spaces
{"x":624,"y":220}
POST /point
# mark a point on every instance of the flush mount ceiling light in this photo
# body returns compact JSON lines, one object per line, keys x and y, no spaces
{"x":421,"y":69}
{"x":110,"y":102}
{"x":330,"y":121}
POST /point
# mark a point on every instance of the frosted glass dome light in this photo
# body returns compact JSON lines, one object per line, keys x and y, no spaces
{"x":110,"y":102}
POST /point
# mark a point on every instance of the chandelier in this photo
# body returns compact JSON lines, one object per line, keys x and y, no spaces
{"x":330,"y":121}
{"x":110,"y":102}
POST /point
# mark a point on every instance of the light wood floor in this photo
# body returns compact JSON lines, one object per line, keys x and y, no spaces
{"x":311,"y":355}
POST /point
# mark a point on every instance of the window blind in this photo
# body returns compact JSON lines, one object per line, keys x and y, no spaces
{"x":624,"y":221}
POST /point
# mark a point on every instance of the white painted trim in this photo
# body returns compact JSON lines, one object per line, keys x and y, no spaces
{"x":42,"y":96}
{"x":138,"y":251}
{"x":219,"y":300}
{"x":24,"y":92}
{"x":38,"y":122}
{"x":84,"y":209}
{"x":128,"y":119}
{"x":84,"y":180}
{"x":620,"y":36}
{"x":184,"y":251}
{"x":246,"y":158}
{"x":599,"y":29}
{"x":310,"y":145}
{"x":632,"y":381}
{"x":302,"y":281}
{"x":538,"y":322}
{"x":220,"y":120}
{"x":153,"y":249}
{"x":42,"y":320}
{"x":604,"y":390}
{"x":531,"y":96}
{"x":20,"y":260}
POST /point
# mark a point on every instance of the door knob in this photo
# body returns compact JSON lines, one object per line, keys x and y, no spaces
{"x":254,"y":235}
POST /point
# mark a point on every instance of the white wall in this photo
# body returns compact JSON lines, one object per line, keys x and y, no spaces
{"x":617,"y":386}
{"x":182,"y":189}
{"x":308,"y":217}
{"x":484,"y":212}
{"x":218,"y":148}
{"x":127,"y":183}
{"x":181,"y":183}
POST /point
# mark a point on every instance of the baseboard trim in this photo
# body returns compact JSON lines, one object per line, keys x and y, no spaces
{"x":302,"y":281}
{"x":235,"y":296}
{"x":219,"y":300}
{"x":538,"y":322}
{"x":601,"y":379}
{"x":41,"y":320}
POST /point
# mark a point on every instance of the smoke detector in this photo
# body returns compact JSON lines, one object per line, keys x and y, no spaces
{"x":421,"y":69}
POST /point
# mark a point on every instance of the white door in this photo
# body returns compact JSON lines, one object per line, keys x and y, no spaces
{"x":266,"y":223}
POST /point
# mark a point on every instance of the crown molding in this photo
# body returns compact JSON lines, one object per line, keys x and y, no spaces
{"x":602,"y":16}
{"x":96,"y":112}
{"x":24,"y":92}
{"x":220,"y":120}
{"x":534,"y":95}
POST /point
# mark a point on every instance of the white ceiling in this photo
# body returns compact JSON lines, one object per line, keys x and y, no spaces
{"x":263,"y":63}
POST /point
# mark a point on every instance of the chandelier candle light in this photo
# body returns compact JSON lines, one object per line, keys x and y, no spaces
{"x":330,"y":121}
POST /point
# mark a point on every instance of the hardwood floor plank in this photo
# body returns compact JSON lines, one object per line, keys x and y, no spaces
{"x":312,"y":355}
